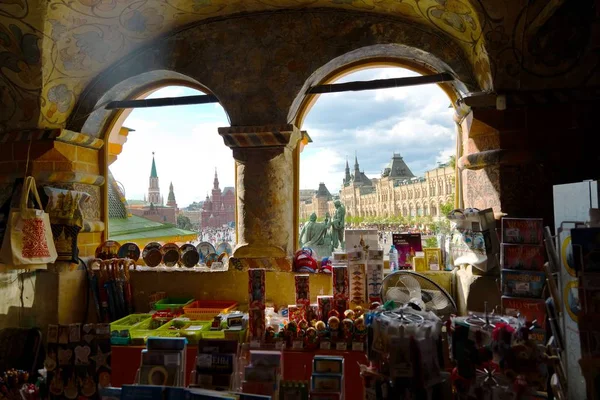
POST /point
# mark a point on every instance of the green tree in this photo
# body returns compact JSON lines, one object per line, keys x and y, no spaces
{"x":446,"y":208}
{"x":184,"y":222}
{"x":452,"y":161}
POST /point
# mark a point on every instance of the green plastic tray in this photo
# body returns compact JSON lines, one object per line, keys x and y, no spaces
{"x":128,"y":322}
{"x":193,"y":335}
{"x":144,"y":329}
{"x":172,"y":303}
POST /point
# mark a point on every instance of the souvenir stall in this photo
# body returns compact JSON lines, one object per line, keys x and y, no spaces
{"x":341,"y":327}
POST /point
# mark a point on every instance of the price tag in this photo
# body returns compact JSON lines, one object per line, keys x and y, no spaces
{"x":255,"y":344}
{"x":297,"y":344}
{"x":325,"y":345}
{"x":342,"y":346}
{"x":358,"y":346}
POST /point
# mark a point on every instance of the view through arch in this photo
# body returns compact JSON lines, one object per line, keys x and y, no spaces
{"x":388,"y":156}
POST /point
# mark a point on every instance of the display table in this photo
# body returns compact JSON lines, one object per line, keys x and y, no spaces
{"x":297,"y":365}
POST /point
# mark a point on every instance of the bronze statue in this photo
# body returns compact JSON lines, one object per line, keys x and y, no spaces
{"x":338,"y":225}
{"x":314,"y":233}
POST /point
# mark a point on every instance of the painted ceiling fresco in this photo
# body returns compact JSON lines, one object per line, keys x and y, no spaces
{"x":51,"y":49}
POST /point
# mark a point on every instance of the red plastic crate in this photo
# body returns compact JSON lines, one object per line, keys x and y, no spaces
{"x":208,"y":309}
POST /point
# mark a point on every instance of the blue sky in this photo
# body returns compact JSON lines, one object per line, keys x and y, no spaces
{"x":414,"y":121}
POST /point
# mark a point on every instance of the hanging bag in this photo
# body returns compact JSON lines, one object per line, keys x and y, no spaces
{"x":28,"y":241}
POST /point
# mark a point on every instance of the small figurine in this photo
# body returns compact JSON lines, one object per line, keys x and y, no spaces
{"x":360,"y":329}
{"x":349,"y":314}
{"x":374,"y":305}
{"x":303,"y":324}
{"x":312,"y":340}
{"x":334,"y":327}
{"x":321,"y":329}
{"x":347,"y":329}
{"x":333,"y":313}
{"x":270,"y":334}
{"x":358,"y":312}
{"x":291,"y":332}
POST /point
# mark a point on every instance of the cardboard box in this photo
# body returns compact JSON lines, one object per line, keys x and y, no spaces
{"x":302,"y":289}
{"x":433,"y":259}
{"x":328,"y":364}
{"x":340,"y":281}
{"x":374,"y":281}
{"x":358,"y":283}
{"x":407,"y":245}
{"x":325,"y":304}
{"x":256,"y":288}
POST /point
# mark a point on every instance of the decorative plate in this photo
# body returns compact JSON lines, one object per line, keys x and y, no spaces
{"x":224,"y":247}
{"x":108,"y":250}
{"x":152,"y":255}
{"x":205,"y":248}
{"x":170,"y":254}
{"x":189,"y":255}
{"x":129,"y":250}
{"x":211,"y":258}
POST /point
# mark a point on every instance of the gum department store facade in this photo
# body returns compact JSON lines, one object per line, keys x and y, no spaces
{"x":396,"y":192}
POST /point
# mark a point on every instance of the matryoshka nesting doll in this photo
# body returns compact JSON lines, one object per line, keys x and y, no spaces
{"x":347,"y":329}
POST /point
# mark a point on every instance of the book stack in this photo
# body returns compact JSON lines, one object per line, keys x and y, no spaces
{"x":327,"y":379}
{"x":215,"y":364}
{"x":163,"y":362}
{"x":523,"y":277}
{"x":263,"y":373}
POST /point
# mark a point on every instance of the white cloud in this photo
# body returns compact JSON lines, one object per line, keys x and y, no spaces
{"x":321,"y":165}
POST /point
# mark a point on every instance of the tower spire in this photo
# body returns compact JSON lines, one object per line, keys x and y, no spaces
{"x":171,"y":202}
{"x":355,"y":161}
{"x":153,"y":188}
{"x":216,"y":181}
{"x":153,"y":173}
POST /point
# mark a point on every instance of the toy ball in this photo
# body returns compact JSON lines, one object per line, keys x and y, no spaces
{"x":304,"y":261}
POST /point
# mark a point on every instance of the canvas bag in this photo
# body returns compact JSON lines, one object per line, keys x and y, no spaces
{"x":28,"y":241}
{"x":474,"y":240}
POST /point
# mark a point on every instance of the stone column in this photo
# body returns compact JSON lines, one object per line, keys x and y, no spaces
{"x":265,"y":194}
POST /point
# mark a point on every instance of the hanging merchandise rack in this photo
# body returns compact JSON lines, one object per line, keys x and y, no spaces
{"x":111,"y":289}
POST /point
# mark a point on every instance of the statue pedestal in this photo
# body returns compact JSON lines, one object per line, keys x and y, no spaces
{"x":322,"y":251}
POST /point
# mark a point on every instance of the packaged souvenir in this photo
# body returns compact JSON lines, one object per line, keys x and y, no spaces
{"x":517,"y":283}
{"x":256,"y":288}
{"x":522,"y":230}
{"x":328,"y":364}
{"x":327,"y":382}
{"x":325,"y":304}
{"x":433,"y":259}
{"x":374,"y":281}
{"x":357,"y":278}
{"x":522,"y":257}
{"x":530,"y":309}
{"x":407,"y":245}
{"x":302,"y":289}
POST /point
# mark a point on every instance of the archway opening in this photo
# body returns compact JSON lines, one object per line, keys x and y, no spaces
{"x":387,"y":155}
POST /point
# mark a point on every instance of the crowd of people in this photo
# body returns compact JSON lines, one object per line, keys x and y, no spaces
{"x":217,"y":235}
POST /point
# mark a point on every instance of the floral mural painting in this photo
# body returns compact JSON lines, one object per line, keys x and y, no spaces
{"x":80,"y":38}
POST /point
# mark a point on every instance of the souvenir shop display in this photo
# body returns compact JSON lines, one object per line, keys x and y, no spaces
{"x":163,"y":362}
{"x":404,"y":354}
{"x":28,"y":240}
{"x":215,"y":364}
{"x":77,"y":360}
{"x":110,"y":287}
{"x":304,"y":261}
{"x":327,"y":379}
{"x":189,"y":256}
{"x":407,"y":245}
{"x":152,"y":255}
{"x":474,"y":240}
{"x":263,"y":373}
{"x":224,"y":247}
{"x":523,"y":275}
{"x":256,"y":302}
{"x":170,"y":254}
{"x":433,"y":259}
{"x":495,"y":358}
{"x":130,"y":251}
{"x":204,"y":249}
{"x":293,"y":390}
{"x":340,"y":284}
{"x":15,"y":385}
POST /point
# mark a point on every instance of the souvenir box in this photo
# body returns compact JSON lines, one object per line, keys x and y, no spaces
{"x":293,"y":390}
{"x":340,"y":282}
{"x":312,"y":312}
{"x":375,"y":255}
{"x":585,"y":243}
{"x":296,"y":312}
{"x":265,"y":358}
{"x":531,"y":309}
{"x":433,"y":259}
{"x":215,"y":363}
{"x":517,"y":283}
{"x":328,"y":365}
{"x":374,"y":281}
{"x":355,"y":255}
{"x":522,"y":256}
{"x":419,"y":264}
{"x":256,"y":323}
{"x":302,"y":289}
{"x":256,"y":288}
{"x":340,"y":257}
{"x":327,"y":383}
{"x":407,"y":245}
{"x":260,"y":374}
{"x":358,"y":283}
{"x":325,"y":304}
{"x":522,"y":230}
{"x":353,"y":237}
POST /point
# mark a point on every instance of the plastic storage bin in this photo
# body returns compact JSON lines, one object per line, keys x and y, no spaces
{"x":193,"y":331}
{"x":128,"y":322}
{"x":208,"y":309}
{"x":172,"y":303}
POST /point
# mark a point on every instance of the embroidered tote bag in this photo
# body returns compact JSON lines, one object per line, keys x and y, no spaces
{"x":28,"y":239}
